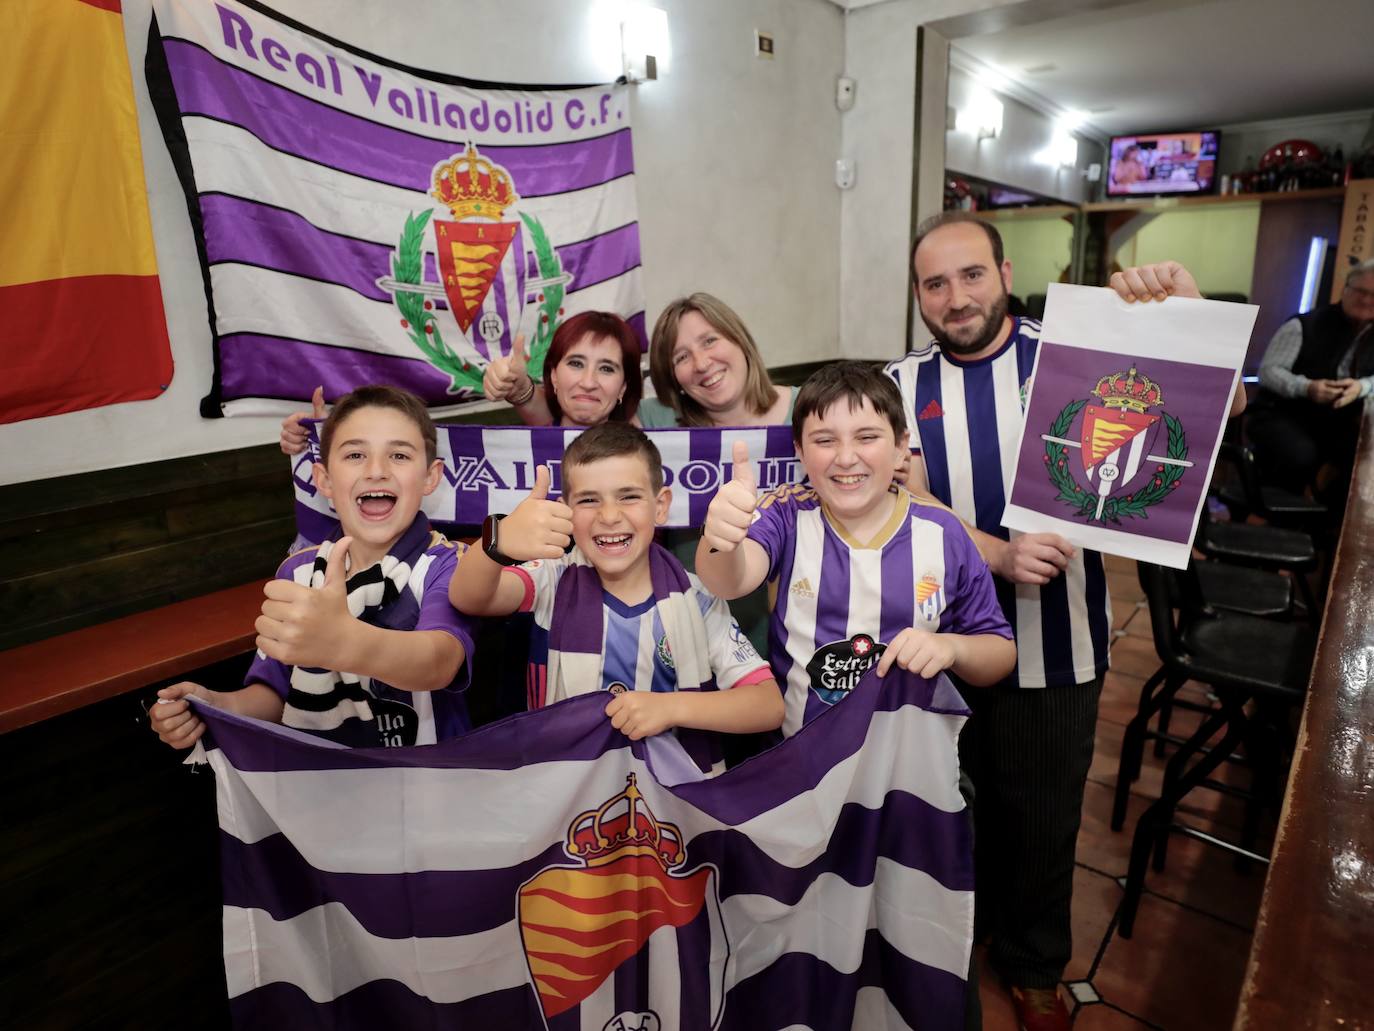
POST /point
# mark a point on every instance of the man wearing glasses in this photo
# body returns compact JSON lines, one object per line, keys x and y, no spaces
{"x":1317,"y":365}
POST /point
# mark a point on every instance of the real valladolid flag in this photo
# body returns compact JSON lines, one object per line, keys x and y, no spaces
{"x":545,"y":873}
{"x":81,"y":320}
{"x":362,"y":221}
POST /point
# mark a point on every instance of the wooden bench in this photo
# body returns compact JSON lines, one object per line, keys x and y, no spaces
{"x":60,"y":674}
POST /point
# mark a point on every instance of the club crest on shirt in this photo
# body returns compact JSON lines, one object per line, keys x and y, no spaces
{"x":1122,"y":467}
{"x":665,"y":653}
{"x":930,"y":597}
{"x":835,"y":668}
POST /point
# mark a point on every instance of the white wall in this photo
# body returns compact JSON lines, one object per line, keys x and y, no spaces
{"x":734,"y":157}
{"x":1012,"y":156}
{"x":875,"y":216}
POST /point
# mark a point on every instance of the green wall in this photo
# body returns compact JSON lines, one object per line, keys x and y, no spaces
{"x":1039,"y":250}
{"x":1216,"y":243}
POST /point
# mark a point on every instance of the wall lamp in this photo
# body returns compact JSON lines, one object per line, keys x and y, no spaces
{"x":644,"y":43}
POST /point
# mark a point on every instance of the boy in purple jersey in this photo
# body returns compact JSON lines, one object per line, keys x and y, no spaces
{"x":618,"y":612}
{"x":866,"y":573}
{"x":373,"y":601}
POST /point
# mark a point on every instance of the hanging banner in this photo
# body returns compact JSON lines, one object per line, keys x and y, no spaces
{"x":546,"y":873}
{"x":490,"y":469}
{"x":360,"y":221}
{"x":1123,"y":420}
{"x":81,"y":319}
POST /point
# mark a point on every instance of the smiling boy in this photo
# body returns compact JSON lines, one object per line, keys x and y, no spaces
{"x":373,"y":601}
{"x":867,"y":574}
{"x":618,"y":613}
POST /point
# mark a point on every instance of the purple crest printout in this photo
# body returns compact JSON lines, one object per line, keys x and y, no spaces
{"x":1124,"y":415}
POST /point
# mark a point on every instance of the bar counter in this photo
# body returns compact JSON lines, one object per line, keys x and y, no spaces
{"x":1312,"y":961}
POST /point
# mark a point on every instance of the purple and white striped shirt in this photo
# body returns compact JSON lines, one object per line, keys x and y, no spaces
{"x":840,"y":601}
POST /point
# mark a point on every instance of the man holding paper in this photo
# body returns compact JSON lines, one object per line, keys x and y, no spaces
{"x":1029,"y":744}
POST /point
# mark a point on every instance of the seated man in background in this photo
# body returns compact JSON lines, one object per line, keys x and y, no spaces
{"x":357,"y":641}
{"x":1316,"y":366}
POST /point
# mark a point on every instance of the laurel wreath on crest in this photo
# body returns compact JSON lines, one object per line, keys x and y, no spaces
{"x":1136,"y":503}
{"x":417,"y":313}
{"x":422,"y":326}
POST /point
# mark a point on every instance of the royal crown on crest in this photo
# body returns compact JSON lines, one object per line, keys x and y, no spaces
{"x":1129,"y":391}
{"x":472,"y":185}
{"x":623,"y":826}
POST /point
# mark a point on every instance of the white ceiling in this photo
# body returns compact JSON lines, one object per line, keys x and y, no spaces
{"x":1168,"y":64}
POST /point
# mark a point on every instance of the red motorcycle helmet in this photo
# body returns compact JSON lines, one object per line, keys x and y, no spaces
{"x":1299,"y":152}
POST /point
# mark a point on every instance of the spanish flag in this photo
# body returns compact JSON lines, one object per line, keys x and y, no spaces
{"x":81,"y":320}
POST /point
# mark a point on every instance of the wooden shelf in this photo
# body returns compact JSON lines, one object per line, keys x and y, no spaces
{"x":1171,"y":203}
{"x":1015,"y":214}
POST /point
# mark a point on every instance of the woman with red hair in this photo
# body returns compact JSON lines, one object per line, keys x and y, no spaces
{"x":591,"y":375}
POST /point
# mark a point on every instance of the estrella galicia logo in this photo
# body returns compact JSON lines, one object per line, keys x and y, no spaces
{"x":835,"y":668}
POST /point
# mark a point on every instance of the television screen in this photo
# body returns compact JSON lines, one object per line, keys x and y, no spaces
{"x":1163,"y":163}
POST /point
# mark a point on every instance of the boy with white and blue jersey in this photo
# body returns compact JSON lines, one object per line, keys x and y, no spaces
{"x":866,"y":573}
{"x":617,"y":613}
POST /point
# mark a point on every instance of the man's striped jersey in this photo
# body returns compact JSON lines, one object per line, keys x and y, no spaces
{"x":965,"y":420}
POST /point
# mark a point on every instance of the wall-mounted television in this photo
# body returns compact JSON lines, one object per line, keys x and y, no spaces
{"x":1156,"y":164}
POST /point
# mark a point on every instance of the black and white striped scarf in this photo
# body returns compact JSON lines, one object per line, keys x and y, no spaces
{"x":322,"y":699}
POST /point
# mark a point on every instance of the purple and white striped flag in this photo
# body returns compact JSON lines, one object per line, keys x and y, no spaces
{"x":360,"y":221}
{"x":544,"y":872}
{"x":490,"y":469}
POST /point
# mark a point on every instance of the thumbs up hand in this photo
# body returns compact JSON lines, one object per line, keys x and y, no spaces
{"x":506,"y":377}
{"x":305,"y":626}
{"x":293,"y":434}
{"x":538,"y":528}
{"x":732,"y":509}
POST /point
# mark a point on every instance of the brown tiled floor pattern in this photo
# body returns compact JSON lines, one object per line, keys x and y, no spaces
{"x":1182,"y":970}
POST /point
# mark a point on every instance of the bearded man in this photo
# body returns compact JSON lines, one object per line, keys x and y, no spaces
{"x":1029,"y":743}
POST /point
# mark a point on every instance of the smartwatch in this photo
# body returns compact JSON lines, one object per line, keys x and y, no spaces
{"x":490,"y":527}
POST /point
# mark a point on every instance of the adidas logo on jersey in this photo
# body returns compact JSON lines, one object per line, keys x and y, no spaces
{"x":931,"y":411}
{"x":803,"y":589}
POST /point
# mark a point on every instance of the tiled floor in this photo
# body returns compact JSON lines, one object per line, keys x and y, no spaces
{"x":1182,"y":970}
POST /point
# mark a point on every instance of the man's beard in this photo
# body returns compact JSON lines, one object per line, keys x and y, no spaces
{"x":981,"y":336}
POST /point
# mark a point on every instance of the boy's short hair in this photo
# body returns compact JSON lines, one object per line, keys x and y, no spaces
{"x":854,"y":382}
{"x":378,"y":395}
{"x":611,"y":440}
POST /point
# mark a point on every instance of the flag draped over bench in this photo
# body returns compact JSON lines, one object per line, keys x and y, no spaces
{"x":361,"y":221}
{"x":82,"y":322}
{"x":544,"y":872}
{"x":490,"y":469}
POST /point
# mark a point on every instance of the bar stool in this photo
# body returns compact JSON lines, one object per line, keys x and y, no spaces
{"x":1245,"y":495}
{"x":1270,"y":548}
{"x":1244,"y":659}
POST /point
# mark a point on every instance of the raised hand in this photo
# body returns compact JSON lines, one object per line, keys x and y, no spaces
{"x":293,"y":434}
{"x":173,"y":719}
{"x":1034,"y":558}
{"x":507,"y":377}
{"x":538,"y":528}
{"x":1155,"y":282}
{"x":305,"y":626}
{"x":732,"y":509}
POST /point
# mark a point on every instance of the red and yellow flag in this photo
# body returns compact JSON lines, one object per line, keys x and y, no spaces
{"x":81,"y":319}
